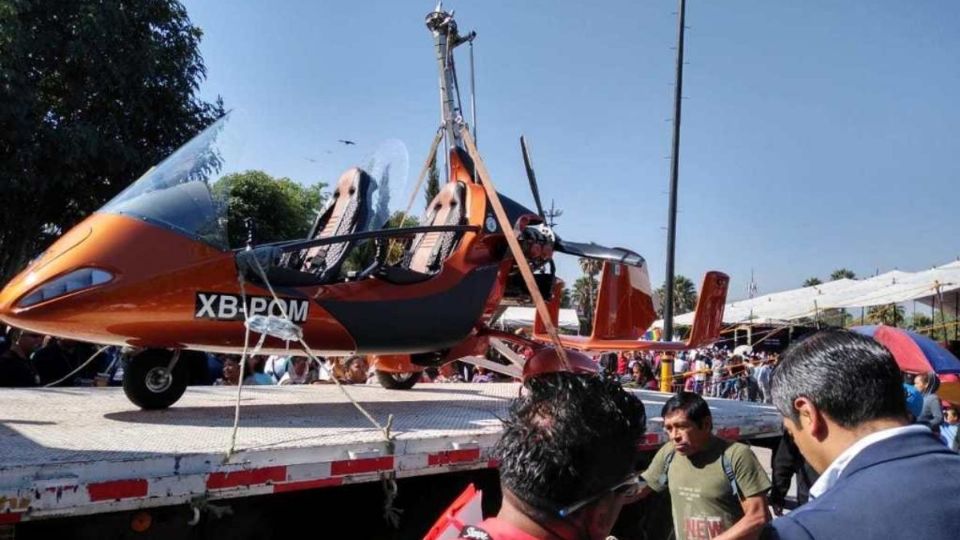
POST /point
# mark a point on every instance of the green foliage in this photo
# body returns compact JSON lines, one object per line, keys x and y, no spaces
{"x":941,"y":327}
{"x":889,"y":314}
{"x":584,"y":297}
{"x":585,"y":291}
{"x":919,"y":321}
{"x":842,"y":273}
{"x":566,"y":298}
{"x":433,"y":181}
{"x":363,"y":253}
{"x":280,"y":208}
{"x":834,"y":317}
{"x":92,"y":93}
{"x":684,"y":296}
{"x":811,"y":282}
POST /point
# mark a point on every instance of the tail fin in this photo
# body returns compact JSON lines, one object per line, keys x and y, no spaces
{"x":553,"y":306}
{"x":624,"y":303}
{"x":708,"y":317}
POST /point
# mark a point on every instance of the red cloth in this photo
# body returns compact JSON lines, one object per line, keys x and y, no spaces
{"x":501,"y":530}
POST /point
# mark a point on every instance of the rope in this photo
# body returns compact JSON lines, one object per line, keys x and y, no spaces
{"x":79,"y":369}
{"x":243,"y":366}
{"x":515,"y":249}
{"x":390,"y":513}
{"x":306,"y":348}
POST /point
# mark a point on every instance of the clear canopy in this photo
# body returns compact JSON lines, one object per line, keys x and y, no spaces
{"x":180,"y":192}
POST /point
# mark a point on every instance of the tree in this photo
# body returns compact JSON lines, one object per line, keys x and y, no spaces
{"x":888,"y":314}
{"x":919,"y":321}
{"x":590,"y":268}
{"x":281,"y":209}
{"x":842,"y":273}
{"x":584,"y":292}
{"x":684,"y":296}
{"x":93,"y":93}
{"x":433,"y":181}
{"x":566,"y":298}
{"x":364,"y":252}
{"x":812,"y":282}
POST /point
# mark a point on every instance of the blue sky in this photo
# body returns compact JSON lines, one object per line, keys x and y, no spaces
{"x":816,"y":134}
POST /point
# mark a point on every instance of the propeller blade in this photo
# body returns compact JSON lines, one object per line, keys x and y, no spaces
{"x":598,"y":252}
{"x":531,"y":177}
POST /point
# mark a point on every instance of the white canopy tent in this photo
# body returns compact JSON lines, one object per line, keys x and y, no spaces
{"x":936,"y":287}
{"x":523,"y":316}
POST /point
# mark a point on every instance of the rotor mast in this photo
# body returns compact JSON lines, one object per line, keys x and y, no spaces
{"x":446,"y":39}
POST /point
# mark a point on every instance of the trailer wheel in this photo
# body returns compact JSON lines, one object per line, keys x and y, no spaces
{"x":398,"y":381}
{"x":147,"y":382}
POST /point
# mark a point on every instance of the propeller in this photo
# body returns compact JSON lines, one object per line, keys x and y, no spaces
{"x":522,"y":263}
{"x":598,"y":252}
{"x":531,"y":177}
{"x":579,"y":249}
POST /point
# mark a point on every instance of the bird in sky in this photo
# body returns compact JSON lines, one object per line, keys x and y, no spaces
{"x":346,"y":142}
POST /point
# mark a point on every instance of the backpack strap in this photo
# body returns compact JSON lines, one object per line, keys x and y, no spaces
{"x":724,"y":462}
{"x":666,"y":468}
{"x":728,"y":471}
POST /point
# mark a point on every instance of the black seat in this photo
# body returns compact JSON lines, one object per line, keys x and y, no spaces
{"x":345,"y":213}
{"x":428,"y":250}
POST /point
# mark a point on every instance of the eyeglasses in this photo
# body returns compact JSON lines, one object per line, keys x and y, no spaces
{"x":630,"y":487}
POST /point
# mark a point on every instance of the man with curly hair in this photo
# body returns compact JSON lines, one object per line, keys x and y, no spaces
{"x":568,"y":458}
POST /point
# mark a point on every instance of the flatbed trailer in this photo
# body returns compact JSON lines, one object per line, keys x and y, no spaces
{"x":68,"y":452}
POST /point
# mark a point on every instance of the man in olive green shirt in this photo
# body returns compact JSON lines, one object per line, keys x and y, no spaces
{"x":717,"y":488}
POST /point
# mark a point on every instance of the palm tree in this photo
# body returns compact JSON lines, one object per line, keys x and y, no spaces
{"x":842,"y":273}
{"x":584,"y":291}
{"x":888,"y":314}
{"x":812,"y":282}
{"x":684,"y":296}
{"x":566,"y":298}
{"x":590,"y":268}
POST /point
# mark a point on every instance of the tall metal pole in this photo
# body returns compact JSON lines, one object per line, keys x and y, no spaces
{"x":666,"y":359}
{"x":674,"y":165}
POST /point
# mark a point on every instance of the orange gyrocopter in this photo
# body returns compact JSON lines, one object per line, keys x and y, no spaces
{"x":152,"y":271}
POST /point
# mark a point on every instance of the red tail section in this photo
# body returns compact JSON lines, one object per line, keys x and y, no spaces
{"x":625,"y":310}
{"x":624,"y":303}
{"x":708,"y":318}
{"x":553,"y":306}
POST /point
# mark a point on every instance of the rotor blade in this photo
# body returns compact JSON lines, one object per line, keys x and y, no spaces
{"x":511,"y":237}
{"x":601,"y":253}
{"x":531,"y":177}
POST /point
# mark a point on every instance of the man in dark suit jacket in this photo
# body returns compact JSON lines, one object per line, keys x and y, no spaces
{"x":843,"y":404}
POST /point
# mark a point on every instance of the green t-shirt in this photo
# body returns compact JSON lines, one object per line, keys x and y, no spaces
{"x":703,"y":501}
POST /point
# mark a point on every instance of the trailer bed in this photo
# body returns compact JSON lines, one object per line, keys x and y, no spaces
{"x":77,"y":451}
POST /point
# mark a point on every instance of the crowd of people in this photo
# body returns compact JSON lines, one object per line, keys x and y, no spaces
{"x":28,"y":359}
{"x":711,"y":372}
{"x":570,"y":458}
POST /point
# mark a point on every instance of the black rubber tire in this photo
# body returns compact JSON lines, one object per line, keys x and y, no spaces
{"x":398,"y":381}
{"x":135,"y":375}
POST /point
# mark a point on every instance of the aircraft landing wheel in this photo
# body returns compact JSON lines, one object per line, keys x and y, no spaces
{"x":398,"y":381}
{"x":150,"y":384}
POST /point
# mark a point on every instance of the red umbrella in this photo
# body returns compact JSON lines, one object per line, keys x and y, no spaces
{"x":915,"y":353}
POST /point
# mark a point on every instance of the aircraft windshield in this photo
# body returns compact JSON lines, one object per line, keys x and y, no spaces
{"x":209,"y":187}
{"x":177,"y":193}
